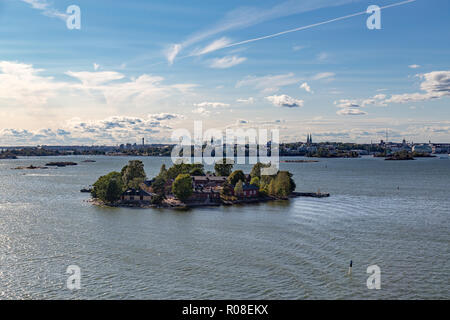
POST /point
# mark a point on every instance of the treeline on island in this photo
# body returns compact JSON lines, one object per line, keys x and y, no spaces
{"x":189,"y":184}
{"x":404,"y":155}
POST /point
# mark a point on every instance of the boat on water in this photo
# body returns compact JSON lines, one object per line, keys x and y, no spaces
{"x":86,"y":190}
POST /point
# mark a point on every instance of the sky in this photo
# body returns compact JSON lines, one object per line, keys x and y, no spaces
{"x":140,"y":68}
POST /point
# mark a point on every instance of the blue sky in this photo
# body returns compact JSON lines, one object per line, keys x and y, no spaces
{"x":143,"y":68}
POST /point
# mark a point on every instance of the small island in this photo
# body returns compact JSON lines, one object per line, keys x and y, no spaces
{"x":61,"y":164}
{"x":405,"y":155}
{"x":299,"y":161}
{"x":7,"y":155}
{"x":30,"y":167}
{"x":326,"y":153}
{"x":188,"y":185}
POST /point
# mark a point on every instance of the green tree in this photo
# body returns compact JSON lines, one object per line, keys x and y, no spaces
{"x":271,"y":188}
{"x":196,"y":172}
{"x":133,"y":174}
{"x":182,"y":186}
{"x":222,"y":168}
{"x":239,"y":188}
{"x":282,"y":184}
{"x":107,"y":190}
{"x":236,"y":176}
{"x":158,"y":199}
{"x":227,"y":190}
{"x":135,"y":183}
{"x":264,"y":183}
{"x":158,"y":186}
{"x":256,"y":170}
{"x":163,"y":172}
{"x":255,"y":181}
{"x":113,"y":190}
{"x":181,"y":168}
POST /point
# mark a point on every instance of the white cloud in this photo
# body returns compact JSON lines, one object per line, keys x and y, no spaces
{"x":323,"y":75}
{"x":164,"y":116}
{"x":226,"y":62}
{"x":349,"y":108}
{"x":213,"y":46}
{"x":115,"y":129}
{"x":435,"y":85}
{"x":250,"y":100}
{"x":211,"y":105}
{"x":351,"y":112}
{"x":246,"y":16}
{"x":377,"y":100}
{"x":285,"y":101}
{"x":47,"y":10}
{"x":241,"y":121}
{"x":269,"y":83}
{"x":306,"y":87}
{"x":298,"y":48}
{"x":346,"y":103}
{"x":414,"y":66}
{"x":21,"y":85}
{"x":95,"y":78}
{"x":201,"y":110}
{"x":323,"y":56}
{"x":172,"y":52}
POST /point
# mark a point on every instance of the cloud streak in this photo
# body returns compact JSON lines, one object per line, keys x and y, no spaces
{"x":313,"y":25}
{"x":46,"y":9}
{"x":211,"y":105}
{"x":227,"y":62}
{"x":244,"y":17}
{"x":269,"y":83}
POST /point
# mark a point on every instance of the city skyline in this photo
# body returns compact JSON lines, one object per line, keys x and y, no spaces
{"x":140,"y":69}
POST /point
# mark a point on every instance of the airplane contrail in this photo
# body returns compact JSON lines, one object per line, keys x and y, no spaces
{"x":298,"y":29}
{"x":312,"y":25}
{"x":290,"y":31}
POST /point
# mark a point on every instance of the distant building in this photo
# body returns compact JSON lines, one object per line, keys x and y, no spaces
{"x":250,"y":191}
{"x":147,"y":185}
{"x":208,"y":181}
{"x":360,"y":152}
{"x":441,"y":148}
{"x":422,"y":148}
{"x":133,"y":195}
{"x":205,"y":194}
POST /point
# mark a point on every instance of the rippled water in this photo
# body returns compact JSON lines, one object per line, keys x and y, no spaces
{"x":393,"y":214}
